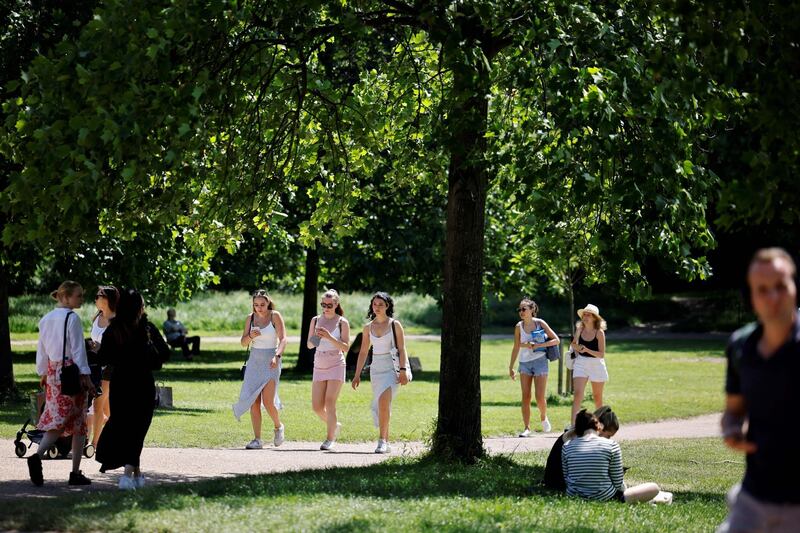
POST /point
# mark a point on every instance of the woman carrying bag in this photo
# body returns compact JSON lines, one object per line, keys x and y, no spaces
{"x":265,"y":335}
{"x":389,"y":368}
{"x":61,"y":346}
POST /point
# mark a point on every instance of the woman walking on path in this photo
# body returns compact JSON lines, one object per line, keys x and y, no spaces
{"x":589,"y":345}
{"x":389,"y":362}
{"x":330,"y":333}
{"x":265,"y":334}
{"x":106,"y":302}
{"x":133,"y":346}
{"x":532,"y":335}
{"x":593,"y":467}
{"x":61,"y":345}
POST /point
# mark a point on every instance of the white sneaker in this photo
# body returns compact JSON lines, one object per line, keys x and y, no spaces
{"x":546,"y":427}
{"x":278,"y":436}
{"x":663,"y":498}
{"x":525,"y":433}
{"x":254,"y":444}
{"x":326,"y":445}
{"x":139,"y":482}
{"x":337,"y":430}
{"x":383,"y":447}
{"x":127,"y":483}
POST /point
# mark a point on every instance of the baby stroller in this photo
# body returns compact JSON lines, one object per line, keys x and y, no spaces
{"x":60,"y":449}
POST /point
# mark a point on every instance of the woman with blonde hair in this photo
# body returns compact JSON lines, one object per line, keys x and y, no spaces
{"x":329,"y":332}
{"x":265,"y":334}
{"x":61,"y":345}
{"x":589,"y":345}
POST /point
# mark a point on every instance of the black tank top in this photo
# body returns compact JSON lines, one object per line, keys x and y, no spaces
{"x":592,"y":344}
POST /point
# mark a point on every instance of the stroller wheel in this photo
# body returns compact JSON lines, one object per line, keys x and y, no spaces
{"x":52,"y":453}
{"x":88,"y":451}
{"x":20,"y":449}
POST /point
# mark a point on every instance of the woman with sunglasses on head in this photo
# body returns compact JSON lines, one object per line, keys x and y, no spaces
{"x":589,"y":345}
{"x":532,"y":336}
{"x":329,"y":332}
{"x":387,"y":338}
{"x":265,"y":334}
{"x":106,"y":302}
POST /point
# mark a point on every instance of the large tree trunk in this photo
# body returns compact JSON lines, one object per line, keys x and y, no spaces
{"x":305,"y":358}
{"x":458,"y":428}
{"x":6,"y":363}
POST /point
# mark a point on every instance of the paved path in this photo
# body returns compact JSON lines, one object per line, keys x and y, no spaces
{"x":175,"y":465}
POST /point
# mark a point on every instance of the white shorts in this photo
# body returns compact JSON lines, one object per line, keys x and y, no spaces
{"x":590,"y":367}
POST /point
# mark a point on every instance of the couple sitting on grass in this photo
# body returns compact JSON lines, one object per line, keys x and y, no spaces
{"x":585,"y":462}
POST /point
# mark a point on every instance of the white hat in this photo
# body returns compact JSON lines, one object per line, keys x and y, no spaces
{"x":590,"y":308}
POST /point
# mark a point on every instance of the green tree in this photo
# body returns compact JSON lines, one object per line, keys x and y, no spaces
{"x":213,"y":108}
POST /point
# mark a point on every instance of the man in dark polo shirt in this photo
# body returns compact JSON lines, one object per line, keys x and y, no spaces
{"x":761,"y":385}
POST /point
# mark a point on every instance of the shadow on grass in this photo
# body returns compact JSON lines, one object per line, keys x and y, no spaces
{"x":401,"y":479}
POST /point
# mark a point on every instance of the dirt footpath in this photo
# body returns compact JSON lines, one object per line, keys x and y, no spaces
{"x":177,"y":465}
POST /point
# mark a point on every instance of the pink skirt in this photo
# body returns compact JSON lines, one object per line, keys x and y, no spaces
{"x":329,"y":365}
{"x":66,"y":414}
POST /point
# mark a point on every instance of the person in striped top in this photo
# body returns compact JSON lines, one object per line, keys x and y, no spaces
{"x":593,"y":467}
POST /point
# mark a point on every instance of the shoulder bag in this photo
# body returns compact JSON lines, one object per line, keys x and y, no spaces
{"x":70,"y":375}
{"x":396,"y":356}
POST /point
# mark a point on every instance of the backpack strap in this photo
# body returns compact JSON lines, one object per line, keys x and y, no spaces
{"x":64,"y":345}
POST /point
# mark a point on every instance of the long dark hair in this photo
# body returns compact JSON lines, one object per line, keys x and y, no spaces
{"x":608,"y":418}
{"x":389,"y":304}
{"x":585,"y":421}
{"x":112,"y":297}
{"x":130,"y":317}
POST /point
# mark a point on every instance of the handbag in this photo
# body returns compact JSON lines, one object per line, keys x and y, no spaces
{"x":551,"y":352}
{"x":396,"y":356}
{"x":570,"y":358}
{"x":247,"y":353}
{"x":70,"y":375}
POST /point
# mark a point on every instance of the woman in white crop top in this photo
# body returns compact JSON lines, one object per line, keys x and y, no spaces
{"x":265,"y":334}
{"x":387,"y":338}
{"x":330,"y":333}
{"x":532,"y":336}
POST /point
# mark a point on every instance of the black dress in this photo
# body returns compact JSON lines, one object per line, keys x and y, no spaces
{"x":132,"y":394}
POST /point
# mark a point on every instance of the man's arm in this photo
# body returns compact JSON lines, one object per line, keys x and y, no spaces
{"x":733,"y":420}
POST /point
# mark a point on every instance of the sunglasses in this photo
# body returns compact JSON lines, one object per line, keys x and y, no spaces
{"x":326,"y":306}
{"x":521,"y":309}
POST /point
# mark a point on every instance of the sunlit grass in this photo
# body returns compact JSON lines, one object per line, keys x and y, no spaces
{"x":650,"y":380}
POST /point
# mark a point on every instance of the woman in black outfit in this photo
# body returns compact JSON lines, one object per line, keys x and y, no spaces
{"x":134,"y":347}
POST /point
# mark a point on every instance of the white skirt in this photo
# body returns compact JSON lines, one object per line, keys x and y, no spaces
{"x":256,"y":376}
{"x":382,"y":376}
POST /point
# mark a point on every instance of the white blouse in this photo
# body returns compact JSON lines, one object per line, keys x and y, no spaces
{"x":51,"y":340}
{"x":97,"y":331}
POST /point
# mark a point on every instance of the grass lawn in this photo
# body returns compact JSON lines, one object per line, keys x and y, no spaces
{"x":409,"y":495}
{"x":650,"y":380}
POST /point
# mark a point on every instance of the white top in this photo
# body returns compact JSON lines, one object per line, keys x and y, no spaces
{"x":268,"y":339}
{"x":336,"y":332}
{"x":537,"y":335}
{"x":384,"y":343}
{"x":51,"y":340}
{"x":97,"y":331}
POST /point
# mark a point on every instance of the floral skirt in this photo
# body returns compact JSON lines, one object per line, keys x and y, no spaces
{"x":67,"y":414}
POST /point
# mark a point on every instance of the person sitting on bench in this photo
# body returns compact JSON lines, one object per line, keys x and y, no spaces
{"x":176,"y":334}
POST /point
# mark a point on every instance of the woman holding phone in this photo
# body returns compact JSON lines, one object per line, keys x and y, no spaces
{"x":265,"y":333}
{"x":329,"y":332}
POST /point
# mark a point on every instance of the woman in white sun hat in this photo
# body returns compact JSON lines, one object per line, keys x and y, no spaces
{"x":589,"y":345}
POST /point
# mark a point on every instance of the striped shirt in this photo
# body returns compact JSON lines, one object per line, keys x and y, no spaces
{"x":592,"y":467}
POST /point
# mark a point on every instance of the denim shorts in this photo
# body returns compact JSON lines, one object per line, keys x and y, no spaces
{"x":537,"y":367}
